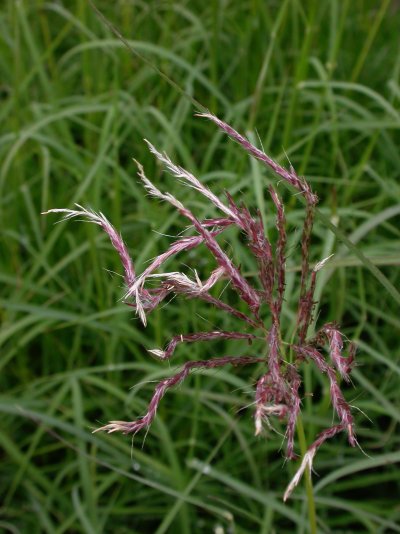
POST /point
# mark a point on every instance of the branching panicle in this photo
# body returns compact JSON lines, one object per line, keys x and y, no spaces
{"x":280,"y":254}
{"x":277,"y":390}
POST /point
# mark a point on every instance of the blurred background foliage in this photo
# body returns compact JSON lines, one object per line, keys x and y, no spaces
{"x":317,"y":84}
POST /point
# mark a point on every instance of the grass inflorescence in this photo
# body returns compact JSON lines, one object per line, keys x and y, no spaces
{"x":277,"y":391}
{"x":75,"y":109}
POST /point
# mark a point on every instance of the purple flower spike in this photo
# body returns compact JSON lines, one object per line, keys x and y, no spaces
{"x":167,"y":383}
{"x":199,"y":336}
{"x":277,"y":390}
{"x":289,"y":176}
{"x":115,"y":237}
{"x":342,"y":364}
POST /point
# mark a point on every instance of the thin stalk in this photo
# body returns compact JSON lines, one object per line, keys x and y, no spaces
{"x":312,"y":516}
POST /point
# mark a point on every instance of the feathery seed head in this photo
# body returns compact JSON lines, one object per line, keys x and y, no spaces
{"x":277,"y":390}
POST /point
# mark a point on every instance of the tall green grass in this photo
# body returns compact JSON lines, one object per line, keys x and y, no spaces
{"x":317,"y":83}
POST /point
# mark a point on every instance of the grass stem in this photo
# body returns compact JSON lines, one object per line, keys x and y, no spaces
{"x":312,"y":515}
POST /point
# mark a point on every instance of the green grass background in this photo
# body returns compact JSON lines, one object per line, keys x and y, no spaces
{"x":316,"y":82}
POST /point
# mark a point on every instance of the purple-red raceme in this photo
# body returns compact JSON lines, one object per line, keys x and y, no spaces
{"x":277,"y":390}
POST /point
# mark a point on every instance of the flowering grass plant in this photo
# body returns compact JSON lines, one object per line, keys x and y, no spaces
{"x":277,"y":392}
